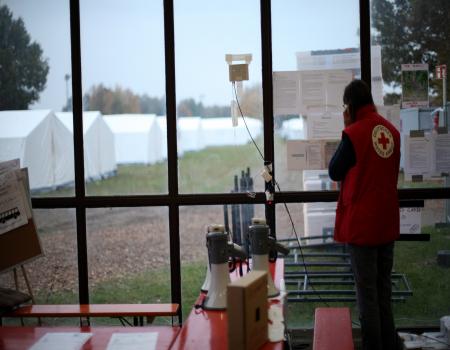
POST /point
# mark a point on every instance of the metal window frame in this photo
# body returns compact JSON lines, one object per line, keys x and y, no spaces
{"x":173,"y":200}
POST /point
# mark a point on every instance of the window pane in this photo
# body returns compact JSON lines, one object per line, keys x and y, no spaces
{"x":194,"y":221}
{"x":122,"y":45}
{"x":53,"y":277}
{"x":36,"y":85}
{"x":129,"y":256}
{"x":416,"y":275}
{"x":409,"y":51}
{"x":210,"y":150}
{"x":315,"y":54}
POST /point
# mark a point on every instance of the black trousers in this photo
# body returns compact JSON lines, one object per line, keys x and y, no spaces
{"x":372,"y":267}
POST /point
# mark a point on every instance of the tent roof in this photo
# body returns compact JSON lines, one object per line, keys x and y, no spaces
{"x":21,"y":123}
{"x":88,"y":119}
{"x":130,"y":123}
{"x":189,"y":123}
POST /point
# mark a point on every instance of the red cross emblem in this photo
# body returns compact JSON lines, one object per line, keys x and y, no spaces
{"x":383,"y":140}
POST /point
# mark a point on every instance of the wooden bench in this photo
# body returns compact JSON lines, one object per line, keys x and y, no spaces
{"x":97,"y":310}
{"x":333,"y":329}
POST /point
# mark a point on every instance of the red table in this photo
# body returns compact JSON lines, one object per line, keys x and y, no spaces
{"x":207,"y":329}
{"x":20,"y":338}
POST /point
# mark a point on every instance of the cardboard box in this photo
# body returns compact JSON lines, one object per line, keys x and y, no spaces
{"x":247,"y":309}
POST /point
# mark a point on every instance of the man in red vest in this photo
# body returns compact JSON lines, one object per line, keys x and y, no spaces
{"x":367,"y":216}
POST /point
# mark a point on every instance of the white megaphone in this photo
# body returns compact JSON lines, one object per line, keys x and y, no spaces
{"x":206,"y":284}
{"x":261,"y":242}
{"x":219,"y":249}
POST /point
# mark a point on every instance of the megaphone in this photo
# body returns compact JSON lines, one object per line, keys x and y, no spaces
{"x":261,"y":243}
{"x":219,"y":250}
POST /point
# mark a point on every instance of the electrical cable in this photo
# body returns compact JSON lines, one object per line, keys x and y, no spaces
{"x":285,"y":205}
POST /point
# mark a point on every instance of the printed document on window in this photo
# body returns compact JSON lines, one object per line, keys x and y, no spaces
{"x":133,"y":341}
{"x":286,"y":93}
{"x":418,"y":156}
{"x":442,"y":153}
{"x":325,"y":125}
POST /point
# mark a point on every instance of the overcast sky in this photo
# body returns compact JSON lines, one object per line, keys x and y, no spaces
{"x":123,"y":41}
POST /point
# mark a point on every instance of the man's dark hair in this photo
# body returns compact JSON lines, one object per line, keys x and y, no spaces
{"x":356,"y":95}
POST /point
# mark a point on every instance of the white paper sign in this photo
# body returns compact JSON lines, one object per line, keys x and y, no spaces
{"x":133,"y":341}
{"x":296,"y":155}
{"x":326,"y":125}
{"x":410,"y":220}
{"x":13,"y":213}
{"x":418,"y":156}
{"x":442,"y":153}
{"x":286,"y":92}
{"x":61,"y":341}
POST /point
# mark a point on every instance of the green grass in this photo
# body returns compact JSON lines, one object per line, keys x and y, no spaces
{"x":210,"y":170}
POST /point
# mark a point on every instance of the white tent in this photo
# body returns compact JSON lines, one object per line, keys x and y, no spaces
{"x":293,"y":129}
{"x":99,"y":154}
{"x":162,"y":122}
{"x":220,"y":131}
{"x":190,"y":135}
{"x":41,"y":142}
{"x":137,"y":137}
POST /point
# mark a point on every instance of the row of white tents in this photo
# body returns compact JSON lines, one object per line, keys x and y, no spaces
{"x":43,"y":141}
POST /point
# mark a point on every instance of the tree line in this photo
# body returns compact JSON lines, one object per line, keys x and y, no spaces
{"x":120,"y":100}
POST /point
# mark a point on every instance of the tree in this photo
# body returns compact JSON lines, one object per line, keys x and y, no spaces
{"x":412,"y":31}
{"x":23,"y":70}
{"x":107,"y":101}
{"x":152,"y":105}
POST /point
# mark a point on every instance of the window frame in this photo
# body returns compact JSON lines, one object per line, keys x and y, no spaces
{"x":173,"y":200}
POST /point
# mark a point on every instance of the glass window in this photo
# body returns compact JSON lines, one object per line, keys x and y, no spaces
{"x":210,"y":149}
{"x":36,"y":85}
{"x":419,"y":266}
{"x":194,"y":221}
{"x":125,"y":130}
{"x":315,"y":54}
{"x":408,"y":53}
{"x":129,"y":255}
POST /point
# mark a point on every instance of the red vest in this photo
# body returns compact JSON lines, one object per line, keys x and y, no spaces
{"x":368,"y":211}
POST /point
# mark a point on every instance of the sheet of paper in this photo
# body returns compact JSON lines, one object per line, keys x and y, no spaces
{"x":296,"y":154}
{"x":442,"y":153}
{"x":410,"y":220}
{"x":337,"y":80}
{"x":327,"y":125}
{"x":61,"y":341}
{"x":312,"y":91}
{"x":133,"y":341}
{"x":286,"y":92}
{"x":418,"y":156}
{"x":314,"y":155}
{"x":12,"y":206}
